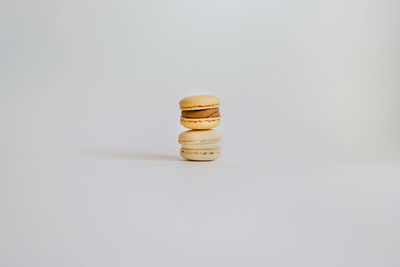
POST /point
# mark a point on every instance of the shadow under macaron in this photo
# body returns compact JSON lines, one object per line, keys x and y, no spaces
{"x":130,"y":155}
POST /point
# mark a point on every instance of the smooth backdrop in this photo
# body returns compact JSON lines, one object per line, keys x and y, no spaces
{"x":90,"y":173}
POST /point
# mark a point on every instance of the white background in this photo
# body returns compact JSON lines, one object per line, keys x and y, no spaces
{"x":90,"y":173}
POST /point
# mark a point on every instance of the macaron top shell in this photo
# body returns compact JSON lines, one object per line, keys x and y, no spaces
{"x":200,"y":137}
{"x":199,"y":102}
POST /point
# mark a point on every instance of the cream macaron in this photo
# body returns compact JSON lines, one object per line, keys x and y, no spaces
{"x":200,"y":145}
{"x":200,"y":112}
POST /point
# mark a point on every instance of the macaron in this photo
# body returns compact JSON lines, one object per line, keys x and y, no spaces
{"x":200,"y":112}
{"x":200,"y":145}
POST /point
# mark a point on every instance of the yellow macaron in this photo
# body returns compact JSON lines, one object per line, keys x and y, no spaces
{"x":200,"y":145}
{"x":200,"y":112}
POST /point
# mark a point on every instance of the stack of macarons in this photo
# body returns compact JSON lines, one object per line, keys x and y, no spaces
{"x":200,"y":114}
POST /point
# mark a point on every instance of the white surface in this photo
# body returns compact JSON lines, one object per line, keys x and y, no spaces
{"x":89,"y":166}
{"x":128,"y":209}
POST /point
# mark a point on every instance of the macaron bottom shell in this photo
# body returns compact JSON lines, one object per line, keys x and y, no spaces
{"x":200,"y":154}
{"x":200,"y":124}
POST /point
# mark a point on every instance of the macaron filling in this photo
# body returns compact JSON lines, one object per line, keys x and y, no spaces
{"x":200,"y":114}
